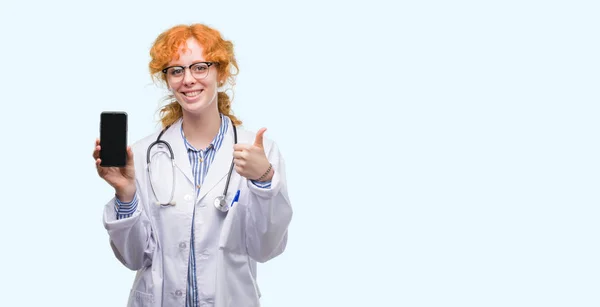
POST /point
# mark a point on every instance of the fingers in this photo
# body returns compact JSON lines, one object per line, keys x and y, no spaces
{"x":99,"y":168}
{"x":240,"y":154}
{"x":96,"y":156}
{"x":96,"y":153}
{"x":241,"y":147}
{"x":129,"y":156}
{"x":258,"y":142}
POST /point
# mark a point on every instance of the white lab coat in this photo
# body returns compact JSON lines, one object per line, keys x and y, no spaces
{"x":152,"y":241}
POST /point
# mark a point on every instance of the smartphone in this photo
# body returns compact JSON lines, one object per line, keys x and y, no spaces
{"x":113,"y":138}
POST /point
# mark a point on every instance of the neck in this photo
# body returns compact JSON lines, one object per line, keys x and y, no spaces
{"x":201,"y":129}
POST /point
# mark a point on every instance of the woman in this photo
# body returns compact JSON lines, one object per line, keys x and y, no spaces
{"x":190,"y":253}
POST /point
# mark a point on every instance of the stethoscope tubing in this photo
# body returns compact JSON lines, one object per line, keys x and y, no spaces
{"x":220,"y":204}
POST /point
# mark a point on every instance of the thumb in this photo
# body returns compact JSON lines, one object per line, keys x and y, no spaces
{"x":259,"y":137}
{"x":129,"y":156}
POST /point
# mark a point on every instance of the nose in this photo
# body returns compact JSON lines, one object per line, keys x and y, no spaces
{"x":188,"y":79}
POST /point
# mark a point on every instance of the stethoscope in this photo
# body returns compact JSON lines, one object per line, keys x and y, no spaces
{"x":219,"y":201}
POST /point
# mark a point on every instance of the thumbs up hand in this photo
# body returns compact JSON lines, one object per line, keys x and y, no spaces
{"x":251,"y":161}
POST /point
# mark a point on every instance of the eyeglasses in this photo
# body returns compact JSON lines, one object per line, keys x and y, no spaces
{"x":199,"y":71}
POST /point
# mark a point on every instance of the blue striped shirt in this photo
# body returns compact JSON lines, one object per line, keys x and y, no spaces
{"x":200,"y":161}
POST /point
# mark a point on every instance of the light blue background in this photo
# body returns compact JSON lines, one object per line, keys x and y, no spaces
{"x":439,"y":153}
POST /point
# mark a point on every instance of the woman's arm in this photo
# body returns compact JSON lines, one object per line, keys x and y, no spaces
{"x":268,"y":212}
{"x":130,"y":231}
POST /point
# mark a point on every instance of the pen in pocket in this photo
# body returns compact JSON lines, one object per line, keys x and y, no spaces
{"x":235,"y":198}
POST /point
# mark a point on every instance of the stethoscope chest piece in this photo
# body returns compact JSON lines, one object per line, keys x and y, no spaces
{"x":220,"y":204}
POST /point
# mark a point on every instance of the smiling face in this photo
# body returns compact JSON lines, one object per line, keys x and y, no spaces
{"x":194,"y":87}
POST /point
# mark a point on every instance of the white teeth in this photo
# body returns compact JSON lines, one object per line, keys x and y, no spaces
{"x":192,"y":94}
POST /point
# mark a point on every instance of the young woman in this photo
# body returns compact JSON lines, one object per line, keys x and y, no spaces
{"x":212,"y":201}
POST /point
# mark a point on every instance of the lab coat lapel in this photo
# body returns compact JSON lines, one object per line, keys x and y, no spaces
{"x":182,"y":162}
{"x":221,"y":164}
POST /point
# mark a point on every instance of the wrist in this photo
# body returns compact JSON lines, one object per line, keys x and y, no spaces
{"x":267,"y":175}
{"x":125,"y":194}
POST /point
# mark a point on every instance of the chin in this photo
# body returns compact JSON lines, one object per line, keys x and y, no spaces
{"x":197,"y":107}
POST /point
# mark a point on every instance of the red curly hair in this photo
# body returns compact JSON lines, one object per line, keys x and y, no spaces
{"x":216,"y":49}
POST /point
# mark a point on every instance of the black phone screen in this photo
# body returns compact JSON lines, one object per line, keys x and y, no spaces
{"x":113,"y":138}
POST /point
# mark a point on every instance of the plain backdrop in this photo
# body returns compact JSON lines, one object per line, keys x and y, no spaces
{"x":439,"y":153}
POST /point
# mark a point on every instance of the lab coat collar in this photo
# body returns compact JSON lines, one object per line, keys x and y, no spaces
{"x":182,"y":162}
{"x":221,"y":164}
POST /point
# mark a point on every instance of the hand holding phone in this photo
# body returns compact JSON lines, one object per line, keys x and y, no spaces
{"x":114,"y":159}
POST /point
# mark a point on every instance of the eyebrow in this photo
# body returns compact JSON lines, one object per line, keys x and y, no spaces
{"x":194,"y":62}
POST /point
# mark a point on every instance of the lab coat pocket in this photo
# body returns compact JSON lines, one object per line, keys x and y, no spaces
{"x":231,"y":238}
{"x":141,"y":299}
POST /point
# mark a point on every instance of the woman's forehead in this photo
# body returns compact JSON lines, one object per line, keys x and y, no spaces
{"x":189,"y":50}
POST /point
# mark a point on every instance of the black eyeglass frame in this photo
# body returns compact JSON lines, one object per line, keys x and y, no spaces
{"x":209,"y":64}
